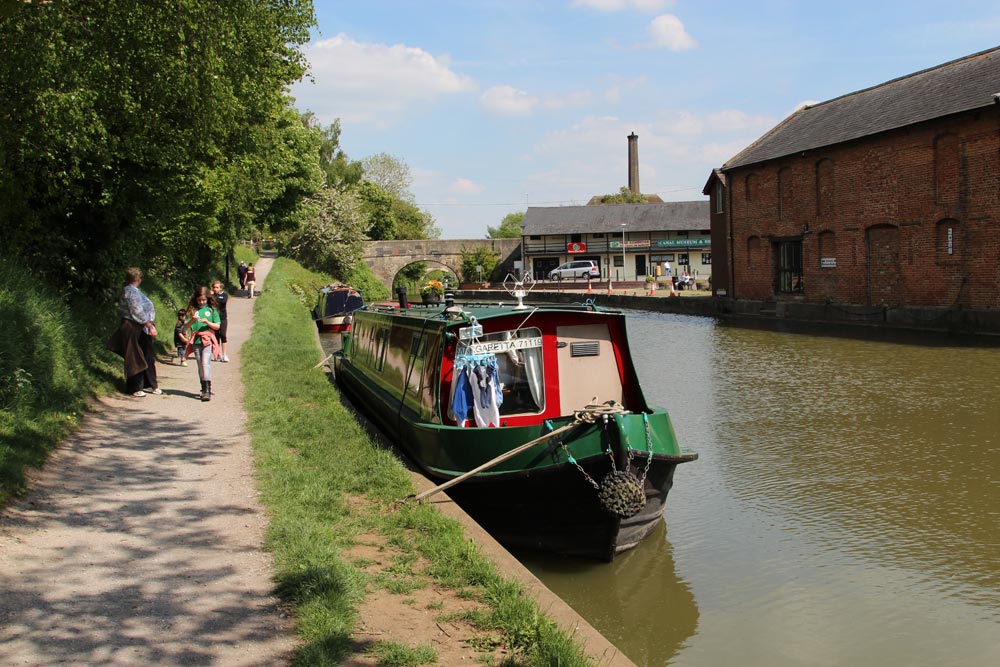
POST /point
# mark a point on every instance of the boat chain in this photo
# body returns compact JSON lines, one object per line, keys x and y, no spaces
{"x":620,"y":493}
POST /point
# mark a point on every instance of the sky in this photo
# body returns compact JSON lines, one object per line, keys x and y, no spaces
{"x":500,"y":105}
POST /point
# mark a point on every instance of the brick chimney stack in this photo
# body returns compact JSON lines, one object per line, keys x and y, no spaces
{"x":633,"y":163}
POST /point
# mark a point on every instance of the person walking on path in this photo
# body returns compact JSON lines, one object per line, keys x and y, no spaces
{"x":221,"y":299}
{"x":251,"y":281}
{"x":141,"y":540}
{"x":203,"y":316}
{"x":241,"y":273}
{"x":133,"y":340}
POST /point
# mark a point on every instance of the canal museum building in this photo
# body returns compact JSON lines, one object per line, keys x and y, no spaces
{"x":882,"y":200}
{"x":628,"y":241}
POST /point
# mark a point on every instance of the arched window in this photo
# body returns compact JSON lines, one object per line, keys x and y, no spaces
{"x":946,"y":169}
{"x":824,"y":187}
{"x":785,"y":193}
{"x":948,"y":241}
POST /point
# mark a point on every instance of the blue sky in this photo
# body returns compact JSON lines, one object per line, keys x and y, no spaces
{"x":497,"y":105}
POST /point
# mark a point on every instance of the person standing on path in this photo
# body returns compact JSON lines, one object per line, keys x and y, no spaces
{"x":203,"y":316}
{"x":221,"y":299}
{"x":134,"y":339}
{"x":181,"y":338}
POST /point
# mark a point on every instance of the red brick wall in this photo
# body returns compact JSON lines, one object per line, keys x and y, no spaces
{"x":894,"y":188}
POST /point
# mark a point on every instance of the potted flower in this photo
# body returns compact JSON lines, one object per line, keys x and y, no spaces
{"x":431,"y":291}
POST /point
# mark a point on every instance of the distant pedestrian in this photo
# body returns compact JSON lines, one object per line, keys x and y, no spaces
{"x":251,"y":281}
{"x":221,"y":298}
{"x":241,"y":272}
{"x":181,"y":336}
{"x":204,"y":320}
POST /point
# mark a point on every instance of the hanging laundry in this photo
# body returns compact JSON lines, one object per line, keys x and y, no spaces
{"x":461,"y":400}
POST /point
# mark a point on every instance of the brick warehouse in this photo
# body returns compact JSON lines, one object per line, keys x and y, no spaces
{"x":886,"y":199}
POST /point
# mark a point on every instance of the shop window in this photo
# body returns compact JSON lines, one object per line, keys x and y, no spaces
{"x":706,"y":258}
{"x":683,"y":258}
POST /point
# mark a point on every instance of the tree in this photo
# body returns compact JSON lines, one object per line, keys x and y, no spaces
{"x":484,"y":257}
{"x":412,"y":223}
{"x":377,"y":205}
{"x":624,"y":196}
{"x":149,"y":133}
{"x":332,"y":240}
{"x":510,"y":227}
{"x":340,"y":172}
{"x":389,"y":173}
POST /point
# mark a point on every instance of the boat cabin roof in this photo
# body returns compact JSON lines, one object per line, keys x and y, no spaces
{"x":482,"y":310}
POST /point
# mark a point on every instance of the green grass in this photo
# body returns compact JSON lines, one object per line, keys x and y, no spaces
{"x":312,"y":456}
{"x":391,"y":654}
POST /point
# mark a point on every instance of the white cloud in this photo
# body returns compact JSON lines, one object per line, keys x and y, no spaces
{"x":466,"y":187}
{"x":571,"y":100}
{"x":374,"y":83}
{"x":619,"y":5}
{"x":508,"y":101}
{"x":668,"y":32}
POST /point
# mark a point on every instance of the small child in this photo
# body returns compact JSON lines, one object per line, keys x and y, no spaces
{"x":181,"y":337}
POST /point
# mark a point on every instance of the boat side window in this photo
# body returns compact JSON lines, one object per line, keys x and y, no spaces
{"x":520,"y":371}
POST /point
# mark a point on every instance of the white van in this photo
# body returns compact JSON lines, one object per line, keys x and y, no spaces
{"x":581,"y":268}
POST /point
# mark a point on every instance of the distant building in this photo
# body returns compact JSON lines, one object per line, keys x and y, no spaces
{"x":887,"y":197}
{"x":628,"y":241}
{"x":674,"y":232}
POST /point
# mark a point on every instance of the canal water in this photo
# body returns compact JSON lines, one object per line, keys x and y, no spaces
{"x":845,"y":509}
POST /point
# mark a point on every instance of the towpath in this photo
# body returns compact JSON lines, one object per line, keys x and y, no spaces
{"x":140,"y":542}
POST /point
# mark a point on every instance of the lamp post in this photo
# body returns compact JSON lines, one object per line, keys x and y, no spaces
{"x":623,"y":252}
{"x":524,"y":261}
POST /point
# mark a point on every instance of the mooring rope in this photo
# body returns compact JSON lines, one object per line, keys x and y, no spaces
{"x":588,"y":415}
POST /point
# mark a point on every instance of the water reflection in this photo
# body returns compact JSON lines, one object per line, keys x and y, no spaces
{"x":617,"y":598}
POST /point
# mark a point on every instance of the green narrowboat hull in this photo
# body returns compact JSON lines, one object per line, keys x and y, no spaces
{"x":545,"y":497}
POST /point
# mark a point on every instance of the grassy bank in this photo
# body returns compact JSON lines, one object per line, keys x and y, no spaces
{"x":327,"y":485}
{"x":53,"y":360}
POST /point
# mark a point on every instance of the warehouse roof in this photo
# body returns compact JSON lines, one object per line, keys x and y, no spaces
{"x":968,"y":83}
{"x":608,"y":218}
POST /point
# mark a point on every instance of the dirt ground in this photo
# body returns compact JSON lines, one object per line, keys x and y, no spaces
{"x":140,"y":543}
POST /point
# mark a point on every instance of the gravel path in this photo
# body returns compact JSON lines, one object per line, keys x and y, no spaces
{"x":140,"y":542}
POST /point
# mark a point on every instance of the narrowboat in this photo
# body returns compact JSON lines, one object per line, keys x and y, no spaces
{"x":456,"y":387}
{"x":334,"y":308}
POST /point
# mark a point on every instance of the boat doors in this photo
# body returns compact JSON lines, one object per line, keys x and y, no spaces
{"x":587,"y":366}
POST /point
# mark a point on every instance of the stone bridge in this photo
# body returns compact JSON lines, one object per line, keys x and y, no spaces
{"x":386,"y":258}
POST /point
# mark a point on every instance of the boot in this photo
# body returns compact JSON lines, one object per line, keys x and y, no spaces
{"x":202,"y":394}
{"x":207,"y":394}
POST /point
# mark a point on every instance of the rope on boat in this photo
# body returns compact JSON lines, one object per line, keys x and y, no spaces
{"x":588,"y":415}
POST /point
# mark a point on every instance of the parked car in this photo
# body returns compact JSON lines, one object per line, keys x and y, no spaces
{"x":581,"y":268}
